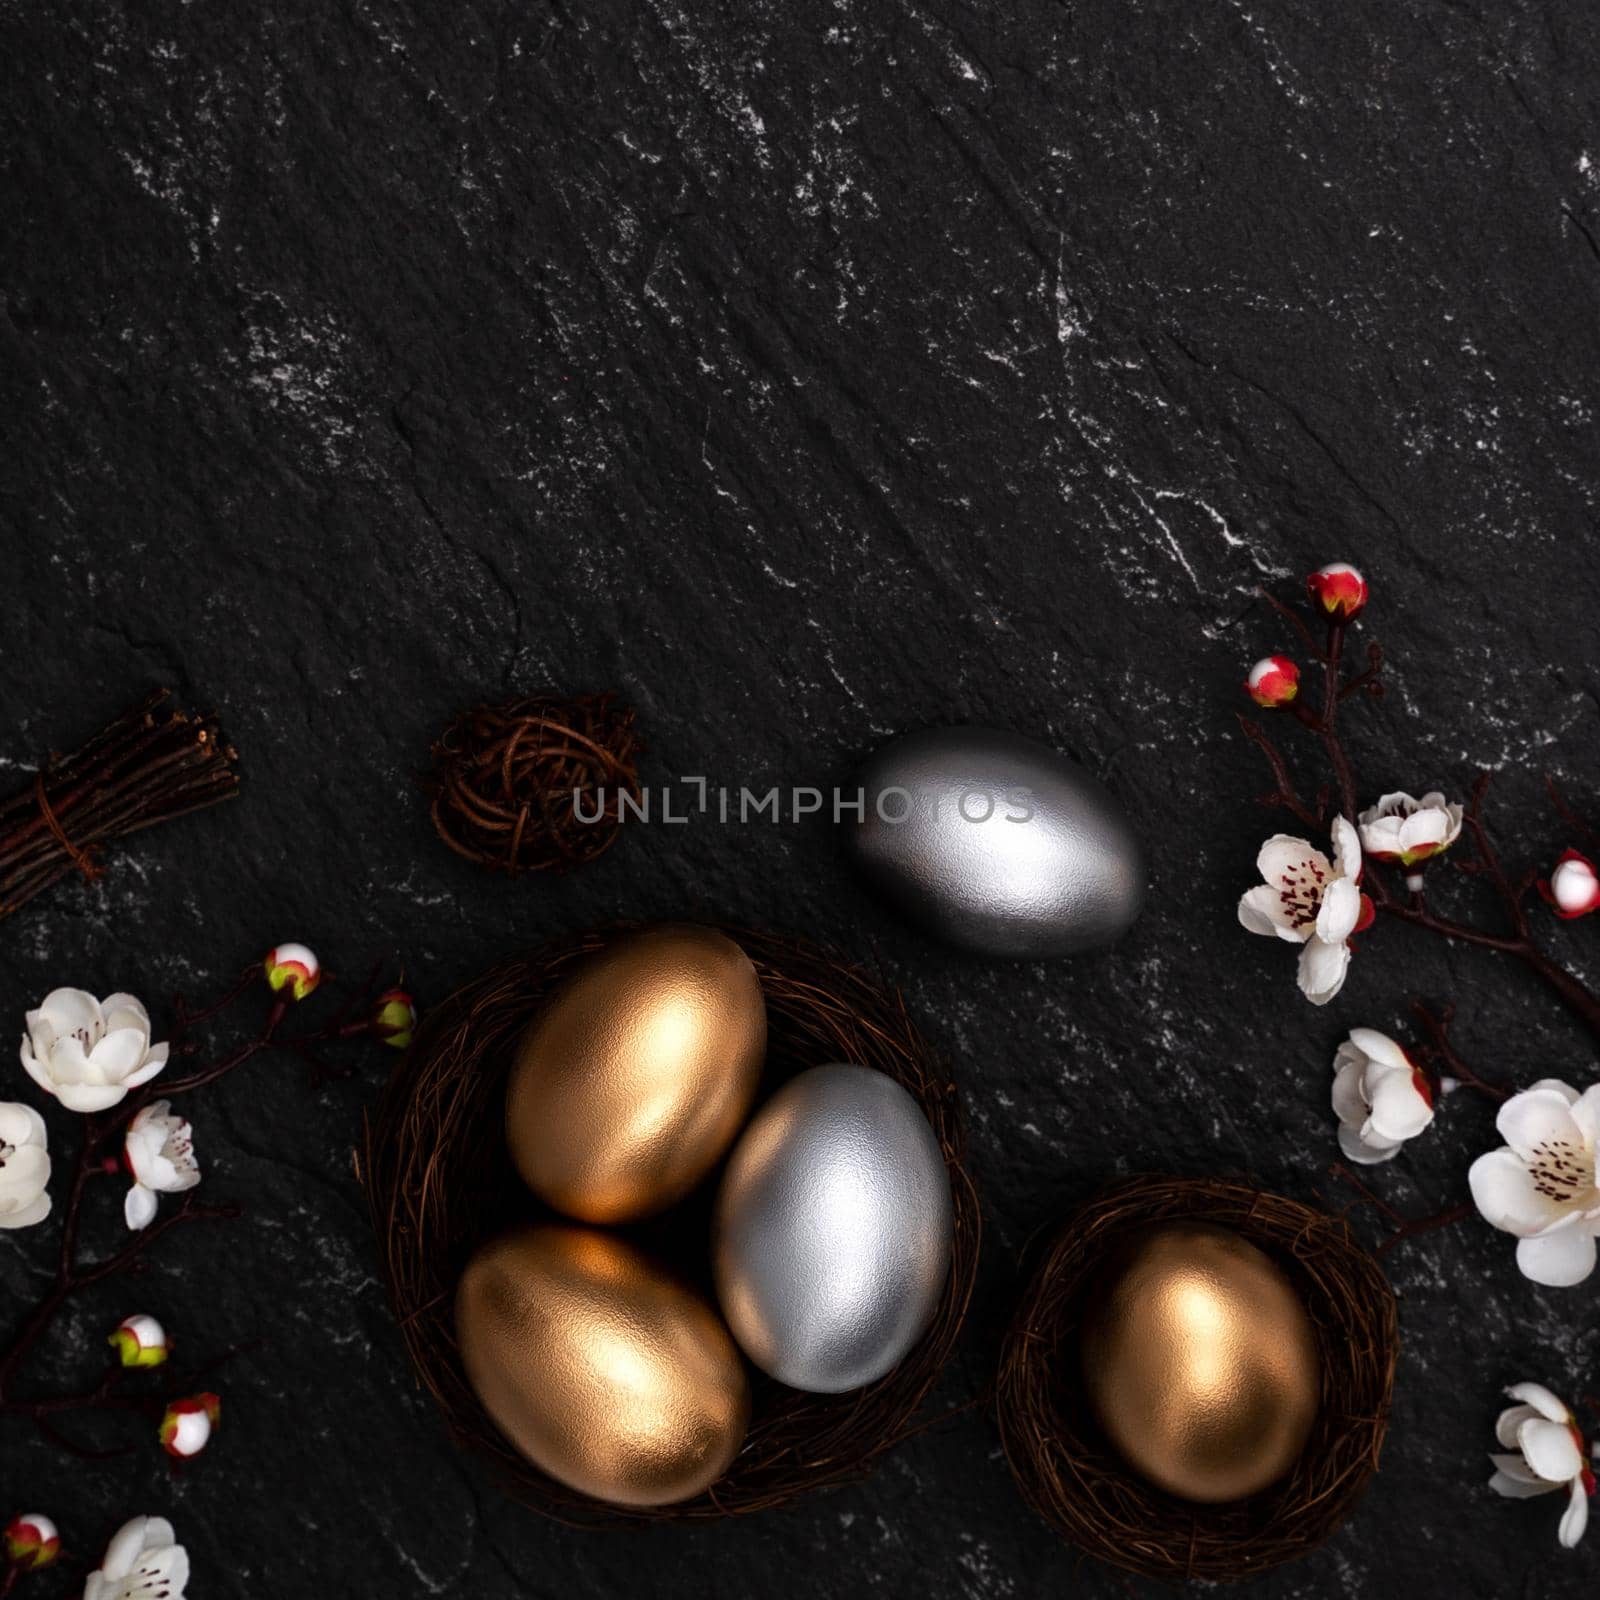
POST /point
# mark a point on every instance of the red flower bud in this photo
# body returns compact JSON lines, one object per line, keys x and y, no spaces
{"x":31,"y":1541}
{"x":394,"y":1017}
{"x":1274,"y":681}
{"x":140,"y":1341}
{"x":1339,"y":589}
{"x":292,"y":967}
{"x":1573,"y":889}
{"x":188,"y":1424}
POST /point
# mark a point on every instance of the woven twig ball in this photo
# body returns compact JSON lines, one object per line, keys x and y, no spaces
{"x":536,"y":784}
{"x":1070,"y":1475}
{"x":440,"y":1181}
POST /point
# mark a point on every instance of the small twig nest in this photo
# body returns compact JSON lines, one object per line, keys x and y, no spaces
{"x":537,"y":784}
{"x":1070,"y":1475}
{"x":440,"y":1181}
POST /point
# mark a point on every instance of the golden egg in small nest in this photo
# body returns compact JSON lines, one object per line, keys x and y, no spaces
{"x":1200,"y":1362}
{"x":599,"y":1367}
{"x":631,"y":1084}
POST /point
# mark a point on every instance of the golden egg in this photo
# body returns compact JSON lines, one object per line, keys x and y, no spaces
{"x":599,"y":1367}
{"x":1200,"y":1362}
{"x":630,"y":1085}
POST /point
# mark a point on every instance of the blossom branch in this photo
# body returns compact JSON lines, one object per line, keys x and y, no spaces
{"x":1327,"y":725}
{"x":1338,"y":1170}
{"x":1404,"y":1227}
{"x":1370,"y":680}
{"x":1569,"y":816}
{"x":49,"y":1429}
{"x":106,"y":1395}
{"x":1279,"y":689}
{"x":156,"y":1149}
{"x":70,"y":1278}
{"x":1285,"y":794}
{"x":1292,"y":617}
{"x":184,"y":1019}
{"x":1441,"y":1051}
{"x":1440,"y":1219}
{"x":1573,"y":991}
{"x":1542,"y":1186}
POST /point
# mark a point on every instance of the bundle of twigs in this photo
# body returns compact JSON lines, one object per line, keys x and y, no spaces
{"x":153,"y":763}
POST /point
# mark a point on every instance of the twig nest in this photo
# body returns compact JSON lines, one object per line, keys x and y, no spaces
{"x":536,"y":784}
{"x":1068,"y":1469}
{"x":440,"y":1181}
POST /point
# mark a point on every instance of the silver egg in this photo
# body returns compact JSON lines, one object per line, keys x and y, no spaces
{"x":833,"y":1230}
{"x":997,"y":844}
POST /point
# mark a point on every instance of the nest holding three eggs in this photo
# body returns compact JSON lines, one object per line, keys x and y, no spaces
{"x":440,"y":1181}
{"x":1060,"y":1457}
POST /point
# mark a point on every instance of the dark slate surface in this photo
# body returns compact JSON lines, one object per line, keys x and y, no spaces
{"x":807,"y":373}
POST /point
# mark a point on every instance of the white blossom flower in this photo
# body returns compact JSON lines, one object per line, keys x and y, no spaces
{"x":1381,"y":1097}
{"x":1313,"y":902}
{"x":1550,"y":1456}
{"x":89,"y":1053}
{"x":144,"y":1561}
{"x":24,"y":1166}
{"x":1405,"y":832}
{"x":158,"y":1150}
{"x":1541,"y":1185}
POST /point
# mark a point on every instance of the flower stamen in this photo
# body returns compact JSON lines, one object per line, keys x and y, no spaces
{"x":1557,"y":1171}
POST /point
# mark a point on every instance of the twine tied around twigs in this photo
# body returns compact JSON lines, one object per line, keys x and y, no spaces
{"x":83,"y":860}
{"x":152,"y":764}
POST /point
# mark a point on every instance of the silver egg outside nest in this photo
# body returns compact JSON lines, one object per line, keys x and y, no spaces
{"x":997,"y":844}
{"x":833,"y":1230}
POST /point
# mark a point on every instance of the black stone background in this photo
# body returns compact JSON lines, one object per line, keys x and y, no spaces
{"x":807,"y":373}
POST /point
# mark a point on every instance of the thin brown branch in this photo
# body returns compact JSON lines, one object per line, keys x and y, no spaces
{"x":1344,"y":1174}
{"x":1293,"y":618}
{"x":1577,"y":995}
{"x":1569,"y":816}
{"x":1332,"y":670}
{"x":1489,"y":858}
{"x":1442,"y":1052}
{"x":1404,"y":1227}
{"x":107,"y":1394}
{"x":1286,"y":794}
{"x":49,"y":1430}
{"x":1371,"y":679}
{"x":1440,"y":1219}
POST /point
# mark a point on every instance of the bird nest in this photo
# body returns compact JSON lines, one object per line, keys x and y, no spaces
{"x":540,"y":784}
{"x":1069,"y":1474}
{"x":440,"y":1181}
